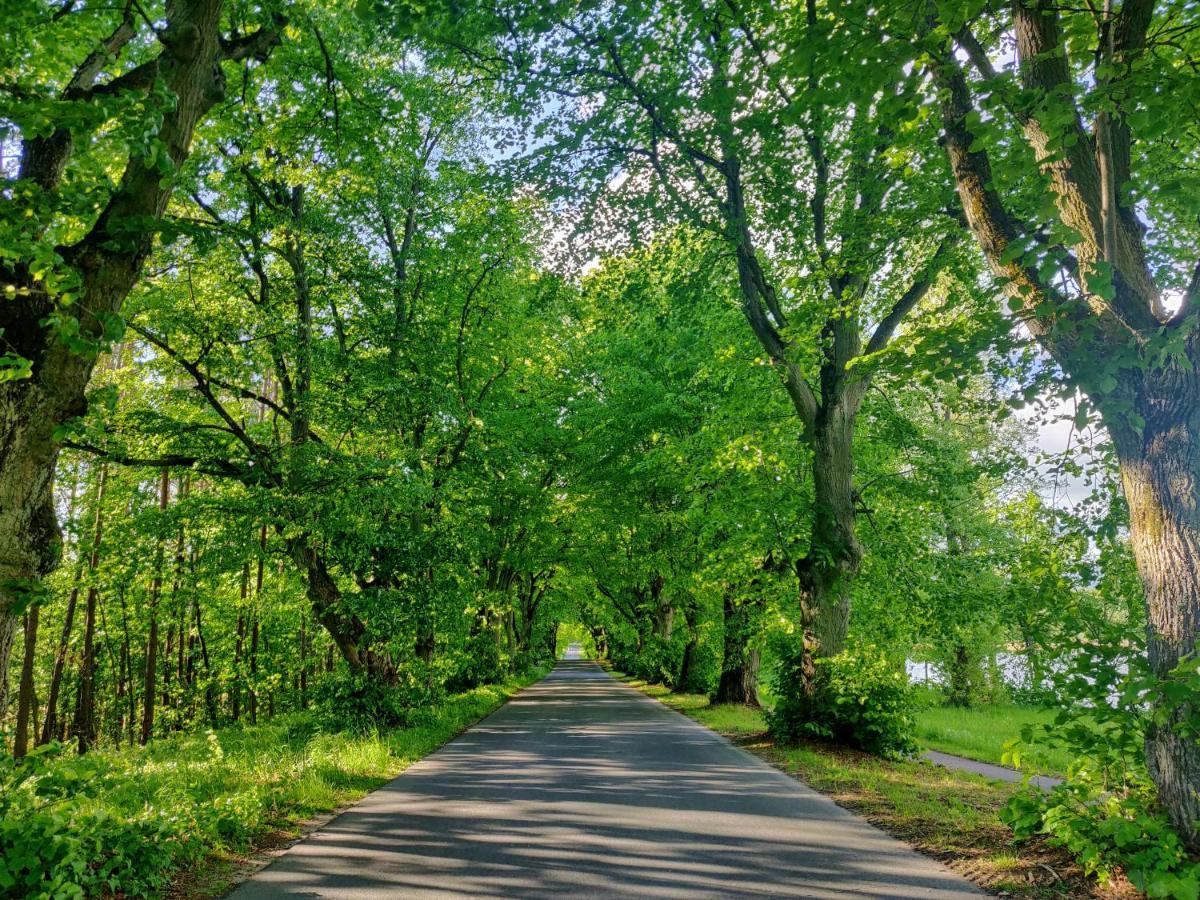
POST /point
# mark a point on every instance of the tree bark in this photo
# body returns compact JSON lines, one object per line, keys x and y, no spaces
{"x":600,"y":639}
{"x":50,"y":722}
{"x":349,"y":633}
{"x":834,"y":555}
{"x":1160,"y":471}
{"x":84,"y":725}
{"x":1104,"y":341}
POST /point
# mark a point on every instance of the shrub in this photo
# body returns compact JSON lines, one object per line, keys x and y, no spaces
{"x":121,"y":822}
{"x":350,"y":702}
{"x":479,"y":663}
{"x":859,"y":699}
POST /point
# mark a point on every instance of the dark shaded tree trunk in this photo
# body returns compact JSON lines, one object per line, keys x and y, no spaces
{"x":239,"y":647}
{"x":51,"y":721}
{"x":349,"y":633}
{"x":600,"y":639}
{"x":960,"y":677}
{"x":252,"y":691}
{"x":688,"y":679}
{"x":25,"y":692}
{"x":84,"y":725}
{"x":740,"y":663}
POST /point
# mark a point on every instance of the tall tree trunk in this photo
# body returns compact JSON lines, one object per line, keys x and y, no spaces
{"x":349,"y":633}
{"x":1110,"y":342}
{"x":302,"y":680}
{"x":50,"y":723}
{"x":210,"y":689}
{"x":252,"y":687}
{"x":960,"y":677}
{"x":600,"y":639}
{"x":1160,"y":470}
{"x":740,"y":663}
{"x":510,"y":632}
{"x":252,"y":692}
{"x":834,"y":555}
{"x":84,"y":726}
{"x":235,"y":699}
{"x":688,"y":679}
{"x":150,"y":683}
{"x":25,"y":692}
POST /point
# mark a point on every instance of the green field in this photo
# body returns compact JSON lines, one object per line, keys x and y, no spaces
{"x":981,"y":732}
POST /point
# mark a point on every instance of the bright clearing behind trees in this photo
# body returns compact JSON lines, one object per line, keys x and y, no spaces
{"x":356,"y":358}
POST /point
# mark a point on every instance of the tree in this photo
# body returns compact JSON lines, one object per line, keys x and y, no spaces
{"x":1075,"y":188}
{"x":66,"y":266}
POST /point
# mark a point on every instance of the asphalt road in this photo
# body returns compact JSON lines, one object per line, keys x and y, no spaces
{"x":583,"y":787}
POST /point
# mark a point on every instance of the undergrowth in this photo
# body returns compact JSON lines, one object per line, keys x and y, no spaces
{"x":127,"y":821}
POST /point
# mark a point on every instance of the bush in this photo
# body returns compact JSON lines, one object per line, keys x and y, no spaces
{"x":1106,"y":811}
{"x":859,"y":699}
{"x":479,"y":663}
{"x":350,"y":702}
{"x":657,"y":662}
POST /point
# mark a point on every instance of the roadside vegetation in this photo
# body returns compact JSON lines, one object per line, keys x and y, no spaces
{"x":193,"y":809}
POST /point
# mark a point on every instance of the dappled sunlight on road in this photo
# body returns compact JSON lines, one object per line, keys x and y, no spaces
{"x":581,"y":786}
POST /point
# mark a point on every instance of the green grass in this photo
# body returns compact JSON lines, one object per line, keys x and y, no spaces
{"x":952,"y":816}
{"x":192,"y":809}
{"x":981,"y":732}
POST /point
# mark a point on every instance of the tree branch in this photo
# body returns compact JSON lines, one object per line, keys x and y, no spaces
{"x":911,"y":297}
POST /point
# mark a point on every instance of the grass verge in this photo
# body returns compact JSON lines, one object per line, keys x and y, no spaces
{"x":193,"y":815}
{"x":951,"y":816}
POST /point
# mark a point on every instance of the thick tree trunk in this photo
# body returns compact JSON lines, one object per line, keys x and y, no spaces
{"x":739,"y":666}
{"x":349,"y":633}
{"x":834,"y":555}
{"x":1160,"y":470}
{"x":600,"y":639}
{"x":960,"y":682}
{"x":689,"y":679}
{"x":1105,"y":345}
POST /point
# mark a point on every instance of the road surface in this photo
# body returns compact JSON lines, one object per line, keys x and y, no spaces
{"x":583,"y":787}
